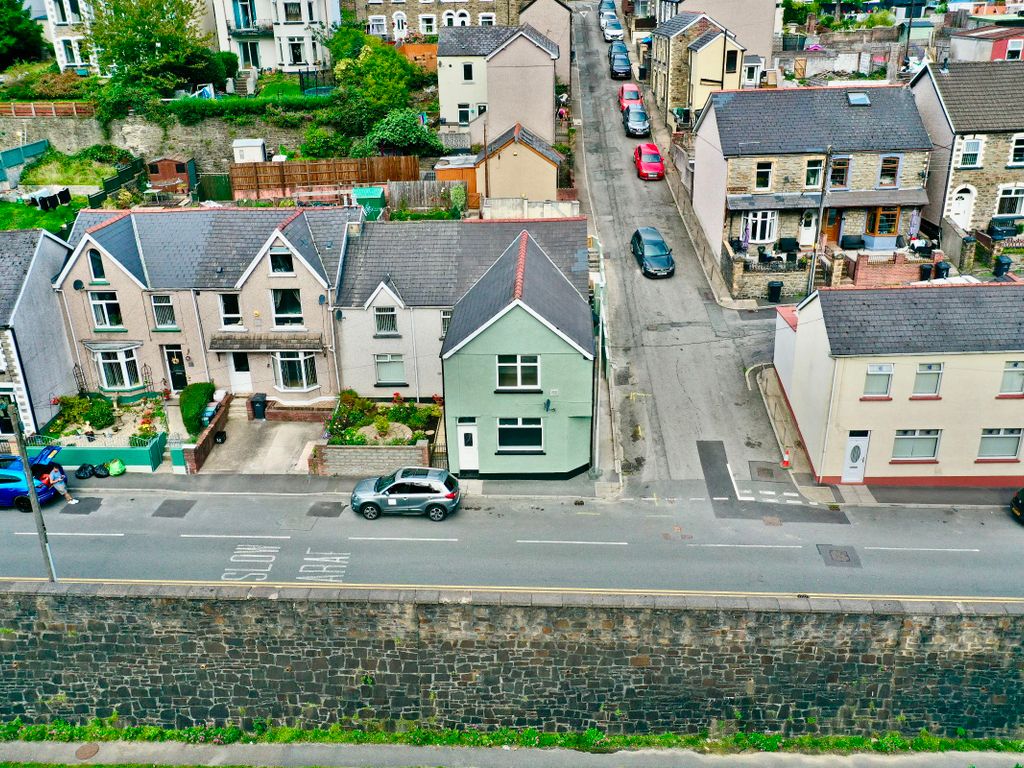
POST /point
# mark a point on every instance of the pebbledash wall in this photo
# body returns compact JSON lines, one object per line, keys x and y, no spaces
{"x":185,"y":655}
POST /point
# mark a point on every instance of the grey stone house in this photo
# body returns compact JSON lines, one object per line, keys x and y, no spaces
{"x":974,"y":113}
{"x":35,"y":359}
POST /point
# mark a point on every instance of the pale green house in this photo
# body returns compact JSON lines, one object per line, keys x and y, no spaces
{"x":518,"y":369}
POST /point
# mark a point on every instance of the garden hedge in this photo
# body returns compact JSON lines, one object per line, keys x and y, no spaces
{"x":192,"y":402}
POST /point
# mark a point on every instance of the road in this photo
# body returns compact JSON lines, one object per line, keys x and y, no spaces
{"x":679,"y":357}
{"x":692,"y":543}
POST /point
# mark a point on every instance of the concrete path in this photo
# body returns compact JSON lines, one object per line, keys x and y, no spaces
{"x":464,"y":757}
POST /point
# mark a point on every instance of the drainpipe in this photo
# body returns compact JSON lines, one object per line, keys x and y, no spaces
{"x":71,"y":329}
{"x":202,"y":334}
{"x":828,"y":419}
{"x":334,"y":350}
{"x":826,"y":169}
{"x":415,"y":357}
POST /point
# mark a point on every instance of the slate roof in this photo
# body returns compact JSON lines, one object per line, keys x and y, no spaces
{"x":925,"y":320}
{"x":982,"y":96}
{"x":704,"y":39}
{"x":251,"y":342}
{"x":523,"y":136}
{"x":212,"y":247}
{"x":803,"y":120}
{"x":17,"y":247}
{"x":483,"y":41}
{"x":836,"y":198}
{"x":990,"y":32}
{"x":434,"y":263}
{"x":523,"y":273}
{"x":673,"y":26}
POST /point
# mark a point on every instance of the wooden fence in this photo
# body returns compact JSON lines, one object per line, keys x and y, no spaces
{"x":281,"y":180}
{"x":421,"y":194}
{"x":47,"y":109}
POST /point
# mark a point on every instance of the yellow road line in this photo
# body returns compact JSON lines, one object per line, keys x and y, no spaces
{"x":542,"y":590}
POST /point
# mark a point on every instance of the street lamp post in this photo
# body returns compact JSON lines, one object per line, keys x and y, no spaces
{"x":11,"y":410}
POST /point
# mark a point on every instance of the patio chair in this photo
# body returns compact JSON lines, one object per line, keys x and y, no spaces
{"x":762,"y":255}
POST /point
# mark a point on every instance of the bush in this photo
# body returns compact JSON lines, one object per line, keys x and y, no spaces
{"x":435,"y":214}
{"x":401,"y":130}
{"x":193,"y":402}
{"x":229,"y":61}
{"x":100,"y":414}
{"x":319,"y":142}
{"x":193,"y":111}
{"x":382,"y":424}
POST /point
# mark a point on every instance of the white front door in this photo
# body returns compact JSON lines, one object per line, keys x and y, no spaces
{"x":808,"y":222}
{"x":962,"y":207}
{"x":469,"y":451}
{"x":856,"y":457}
{"x":240,"y":378}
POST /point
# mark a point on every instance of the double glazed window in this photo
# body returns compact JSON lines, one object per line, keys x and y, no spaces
{"x":292,"y":12}
{"x":518,"y":371}
{"x":281,"y":263}
{"x":295,"y":370}
{"x":839,"y":173}
{"x":119,"y":370}
{"x":889,"y":173}
{"x":1013,"y":378}
{"x":1011,"y":202}
{"x":761,"y":225}
{"x":428,"y":24}
{"x":813,"y":176}
{"x":916,"y":444}
{"x":106,"y":311}
{"x":230,"y":314}
{"x":970,"y":156}
{"x":999,"y":443}
{"x":1017,"y":150}
{"x":163,"y":311}
{"x":99,"y":274}
{"x":522,"y":434}
{"x":287,"y":307}
{"x":446,"y":321}
{"x":883,"y":221}
{"x":928,"y":379}
{"x":763,"y":175}
{"x":731,"y":61}
{"x":386,"y":321}
{"x":878,"y":380}
{"x":390,"y":369}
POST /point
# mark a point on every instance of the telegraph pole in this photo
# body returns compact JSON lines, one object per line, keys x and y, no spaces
{"x":825,"y":171}
{"x":11,"y":410}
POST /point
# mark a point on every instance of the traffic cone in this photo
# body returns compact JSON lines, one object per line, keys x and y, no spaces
{"x":785,"y":463}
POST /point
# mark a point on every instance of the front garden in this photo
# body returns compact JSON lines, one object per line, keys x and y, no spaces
{"x":361,"y":421}
{"x":88,"y":167}
{"x":84,"y":418}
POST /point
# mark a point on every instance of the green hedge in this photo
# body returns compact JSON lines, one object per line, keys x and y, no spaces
{"x":193,"y":402}
{"x":193,"y":111}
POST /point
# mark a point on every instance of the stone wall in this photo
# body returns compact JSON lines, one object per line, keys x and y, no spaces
{"x":183,"y":655}
{"x":362,"y":460}
{"x":754,"y":285}
{"x":209,"y":141}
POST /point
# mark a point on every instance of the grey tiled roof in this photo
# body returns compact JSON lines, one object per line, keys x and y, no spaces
{"x":483,"y":41}
{"x":251,"y":342}
{"x":433,"y":263}
{"x":524,"y":273}
{"x":675,"y":25}
{"x":17,"y":247}
{"x":798,"y":120}
{"x":982,"y":96}
{"x":212,"y":247}
{"x":925,"y":320}
{"x":835,"y":199}
{"x":524,"y":136}
{"x":704,"y":39}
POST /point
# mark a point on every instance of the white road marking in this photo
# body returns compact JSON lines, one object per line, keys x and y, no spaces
{"x":745,"y":491}
{"x":51,"y":533}
{"x":793,"y":501}
{"x":593,"y":543}
{"x":226,"y":536}
{"x":789,"y":493}
{"x":394,"y":538}
{"x":697,"y":498}
{"x":594,"y":514}
{"x":767,"y":493}
{"x":749,"y":546}
{"x":719,"y":498}
{"x":919,"y":549}
{"x":657,"y":515}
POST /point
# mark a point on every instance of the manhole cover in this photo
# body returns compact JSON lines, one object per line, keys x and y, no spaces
{"x":622,"y":376}
{"x":838,"y":556}
{"x":765,"y":474}
{"x":325,"y":509}
{"x":86,"y":751}
{"x":772,"y":520}
{"x":174,"y":508}
{"x":84,"y":506}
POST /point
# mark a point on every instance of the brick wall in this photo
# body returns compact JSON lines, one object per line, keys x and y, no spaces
{"x":311,"y":414}
{"x":362,"y":460}
{"x":897,"y":269}
{"x":195,"y":456}
{"x":178,"y":656}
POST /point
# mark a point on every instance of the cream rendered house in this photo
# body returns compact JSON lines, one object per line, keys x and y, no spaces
{"x":553,"y":19}
{"x":518,"y":164}
{"x":922,"y":385}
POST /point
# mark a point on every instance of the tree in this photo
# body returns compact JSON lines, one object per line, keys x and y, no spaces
{"x":401,"y":131}
{"x":21,"y":38}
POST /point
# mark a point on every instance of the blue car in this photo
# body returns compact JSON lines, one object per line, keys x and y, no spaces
{"x":14,"y":490}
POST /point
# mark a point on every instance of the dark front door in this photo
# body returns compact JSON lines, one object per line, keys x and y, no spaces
{"x":832,"y":225}
{"x":176,"y":368}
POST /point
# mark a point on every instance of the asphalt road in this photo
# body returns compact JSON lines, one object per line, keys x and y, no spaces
{"x":679,"y":357}
{"x":693,"y":543}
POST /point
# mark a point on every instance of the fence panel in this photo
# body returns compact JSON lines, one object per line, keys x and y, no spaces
{"x":214,"y":186}
{"x":47,"y":109}
{"x":421,"y":194}
{"x":18,"y":155}
{"x":283,"y":179}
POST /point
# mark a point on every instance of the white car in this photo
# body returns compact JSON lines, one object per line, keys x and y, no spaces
{"x":607,"y":16}
{"x":613,"y":31}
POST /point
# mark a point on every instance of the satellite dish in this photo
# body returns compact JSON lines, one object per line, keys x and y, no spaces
{"x":78,"y":285}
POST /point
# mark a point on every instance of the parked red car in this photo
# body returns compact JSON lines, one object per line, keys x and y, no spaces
{"x":629,"y":94}
{"x":648,"y":162}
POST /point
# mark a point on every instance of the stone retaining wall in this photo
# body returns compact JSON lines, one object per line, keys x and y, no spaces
{"x":363,"y":460}
{"x":178,"y":656}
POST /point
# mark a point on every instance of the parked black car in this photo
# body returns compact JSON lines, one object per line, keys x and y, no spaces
{"x":619,"y":68}
{"x":1017,"y":505}
{"x":634,"y":120}
{"x":617,"y":48}
{"x":652,"y":253}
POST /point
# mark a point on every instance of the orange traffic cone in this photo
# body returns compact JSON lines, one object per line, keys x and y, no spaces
{"x":785,"y":463}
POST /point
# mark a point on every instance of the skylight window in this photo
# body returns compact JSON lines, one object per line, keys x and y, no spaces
{"x":858,"y":99}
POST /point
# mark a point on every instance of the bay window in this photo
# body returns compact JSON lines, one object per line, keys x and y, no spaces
{"x":118,"y":370}
{"x":883,"y":221}
{"x":295,"y":370}
{"x":761,"y":225}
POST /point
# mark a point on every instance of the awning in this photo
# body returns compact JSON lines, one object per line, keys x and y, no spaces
{"x":110,"y":346}
{"x":266,"y":342}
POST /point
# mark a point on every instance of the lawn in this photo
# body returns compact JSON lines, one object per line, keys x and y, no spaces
{"x":22,"y":216}
{"x":279,"y":84}
{"x":60,"y":169}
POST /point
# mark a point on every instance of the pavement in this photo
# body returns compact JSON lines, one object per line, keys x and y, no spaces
{"x":388,"y":756}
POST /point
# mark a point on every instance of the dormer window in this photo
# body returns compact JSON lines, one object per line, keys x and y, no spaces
{"x":99,"y":275}
{"x":281,"y":263}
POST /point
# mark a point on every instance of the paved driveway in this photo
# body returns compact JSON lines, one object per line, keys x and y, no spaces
{"x":680,"y":358}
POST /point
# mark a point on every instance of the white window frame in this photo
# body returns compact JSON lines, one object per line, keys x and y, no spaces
{"x":96,"y":258}
{"x":159,"y":304}
{"x":122,"y":358}
{"x":879,"y":369}
{"x":377,"y":25}
{"x":446,"y":322}
{"x":284,"y":253}
{"x":292,"y":326}
{"x":464,"y":17}
{"x":225,"y":315}
{"x":1016,"y":143}
{"x":763,"y":225}
{"x":909,"y":442}
{"x":395,"y":17}
{"x":101,"y":309}
{"x":300,"y":41}
{"x":521,"y":422}
{"x":448,"y":19}
{"x":389,"y":358}
{"x":520,"y":363}
{"x":1013,"y":370}
{"x":757,"y":172}
{"x":1016,"y":48}
{"x":928,"y":370}
{"x":385,"y":321}
{"x":995,"y":435}
{"x":425,"y":27}
{"x":818,"y":164}
{"x":490,"y":18}
{"x":980,"y":152}
{"x":307,"y":367}
{"x":1014,"y":192}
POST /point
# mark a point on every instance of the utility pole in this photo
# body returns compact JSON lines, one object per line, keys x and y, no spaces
{"x":910,"y":28}
{"x":487,"y":167}
{"x":825,"y":171}
{"x":11,"y":409}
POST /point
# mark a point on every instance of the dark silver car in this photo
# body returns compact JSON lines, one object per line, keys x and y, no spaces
{"x":408,"y":491}
{"x":635,"y":122}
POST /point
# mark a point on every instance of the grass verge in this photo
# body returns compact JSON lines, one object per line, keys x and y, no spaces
{"x":56,"y":168}
{"x":591,"y":740}
{"x":22,"y":216}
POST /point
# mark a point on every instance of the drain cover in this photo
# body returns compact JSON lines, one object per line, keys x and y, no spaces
{"x":86,"y":751}
{"x":174,"y":508}
{"x":622,"y":376}
{"x":772,"y":520}
{"x":838,"y":556}
{"x":325,"y":509}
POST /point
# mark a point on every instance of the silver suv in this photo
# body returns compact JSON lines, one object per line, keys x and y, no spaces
{"x":409,"y":491}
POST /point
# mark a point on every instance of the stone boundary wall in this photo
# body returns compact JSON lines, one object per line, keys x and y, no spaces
{"x":196,"y":455}
{"x":182,"y":655}
{"x":362,"y":460}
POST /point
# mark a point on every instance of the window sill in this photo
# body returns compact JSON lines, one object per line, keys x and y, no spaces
{"x":1014,"y":166}
{"x":388,"y":385}
{"x":280,"y":274}
{"x":875,"y":398}
{"x":122,"y":390}
{"x":925,"y":397}
{"x":166,"y":330}
{"x":520,"y":453}
{"x":913,"y":461}
{"x":997,"y":461}
{"x":289,"y":328}
{"x":969,"y":167}
{"x":234,"y":328}
{"x":99,"y":282}
{"x":519,"y":391}
{"x":110,"y":330}
{"x":285,"y":390}
{"x":387,"y":335}
{"x":1011,"y":396}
